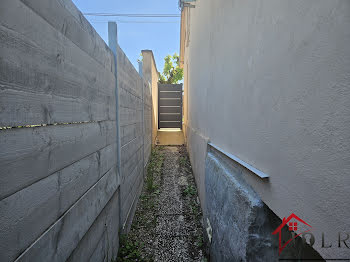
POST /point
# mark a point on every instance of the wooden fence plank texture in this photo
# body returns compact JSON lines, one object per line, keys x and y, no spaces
{"x":61,"y":195}
{"x":43,"y":84}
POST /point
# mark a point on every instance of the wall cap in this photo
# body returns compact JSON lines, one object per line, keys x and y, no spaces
{"x":241,"y":162}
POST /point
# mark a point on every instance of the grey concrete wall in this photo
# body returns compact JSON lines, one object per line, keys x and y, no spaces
{"x":268,"y":81}
{"x":148,"y":123}
{"x":241,"y":222}
{"x":135,"y":101}
{"x":132,"y":89}
{"x":150,"y":78}
{"x":61,"y":196}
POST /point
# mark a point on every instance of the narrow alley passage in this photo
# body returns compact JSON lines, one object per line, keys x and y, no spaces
{"x":168,"y":221}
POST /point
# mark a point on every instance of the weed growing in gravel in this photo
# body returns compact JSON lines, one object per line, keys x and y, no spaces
{"x":182,"y":161}
{"x":200,"y":241}
{"x":128,"y":250}
{"x":190,"y":190}
{"x":154,"y":168}
{"x":131,"y":246}
{"x":192,"y":206}
{"x":196,"y":211}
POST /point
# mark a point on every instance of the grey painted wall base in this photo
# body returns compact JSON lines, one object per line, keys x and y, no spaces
{"x":241,"y":223}
{"x":197,"y":149}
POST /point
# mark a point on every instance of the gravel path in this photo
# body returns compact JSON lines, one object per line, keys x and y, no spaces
{"x":171,"y":229}
{"x":174,"y":233}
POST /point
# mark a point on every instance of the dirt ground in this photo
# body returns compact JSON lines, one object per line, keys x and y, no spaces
{"x":167,"y":225}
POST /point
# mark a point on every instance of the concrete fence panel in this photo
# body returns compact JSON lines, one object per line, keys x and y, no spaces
{"x":63,"y":194}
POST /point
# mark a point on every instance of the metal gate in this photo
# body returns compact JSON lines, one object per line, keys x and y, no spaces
{"x":170,"y":106}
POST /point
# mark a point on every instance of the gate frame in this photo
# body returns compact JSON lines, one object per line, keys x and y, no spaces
{"x":181,"y":105}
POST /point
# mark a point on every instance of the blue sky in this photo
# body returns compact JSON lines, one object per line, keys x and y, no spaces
{"x":161,"y":38}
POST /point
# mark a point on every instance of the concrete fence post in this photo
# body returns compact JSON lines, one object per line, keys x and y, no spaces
{"x":141,"y":68}
{"x":143,"y":117}
{"x":113,"y":44}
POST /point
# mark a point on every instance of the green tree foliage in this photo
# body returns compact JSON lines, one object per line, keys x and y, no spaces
{"x":172,"y":73}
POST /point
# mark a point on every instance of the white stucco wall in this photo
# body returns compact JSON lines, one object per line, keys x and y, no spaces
{"x":269,"y":81}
